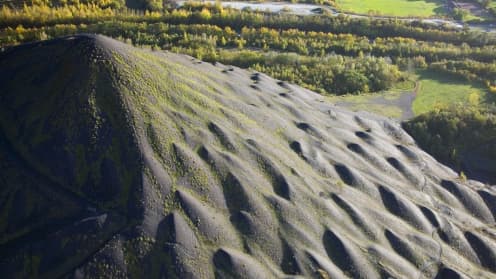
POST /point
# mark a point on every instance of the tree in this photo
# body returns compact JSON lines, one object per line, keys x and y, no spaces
{"x":350,"y":81}
{"x":460,"y":14}
{"x":485,"y":3}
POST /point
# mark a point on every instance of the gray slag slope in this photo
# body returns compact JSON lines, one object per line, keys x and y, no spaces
{"x":221,"y":173}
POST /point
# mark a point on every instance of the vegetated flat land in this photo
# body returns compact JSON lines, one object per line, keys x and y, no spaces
{"x":437,"y":91}
{"x":395,"y":103}
{"x":434,"y":91}
{"x":393,"y":7}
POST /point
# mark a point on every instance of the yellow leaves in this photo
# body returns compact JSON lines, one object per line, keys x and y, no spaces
{"x":42,"y":35}
{"x":223,"y":41}
{"x":438,"y":107}
{"x":5,"y":12}
{"x":473,"y":98}
{"x":20,"y":29}
{"x":180,"y":14}
{"x":205,"y":14}
{"x":229,"y":31}
{"x":151,"y":14}
{"x":42,"y":13}
{"x":492,"y":89}
{"x":240,"y":43}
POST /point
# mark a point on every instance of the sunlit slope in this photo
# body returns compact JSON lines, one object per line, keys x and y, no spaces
{"x":122,"y":162}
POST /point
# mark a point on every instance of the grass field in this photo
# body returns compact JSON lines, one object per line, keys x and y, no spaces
{"x":385,"y":110}
{"x":437,"y":91}
{"x":434,"y":91}
{"x":386,"y":103}
{"x":402,"y":8}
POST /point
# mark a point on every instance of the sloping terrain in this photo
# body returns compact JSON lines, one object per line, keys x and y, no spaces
{"x":120,"y":162}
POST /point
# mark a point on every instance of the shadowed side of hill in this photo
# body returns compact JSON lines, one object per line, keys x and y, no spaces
{"x":70,"y":161}
{"x":162,"y":166}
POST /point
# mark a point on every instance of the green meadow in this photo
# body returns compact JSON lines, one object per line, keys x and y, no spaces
{"x":403,"y":8}
{"x":438,"y":91}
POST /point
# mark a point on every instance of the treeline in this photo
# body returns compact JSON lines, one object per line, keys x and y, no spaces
{"x":328,"y":74}
{"x":44,"y":15}
{"x":294,"y":40}
{"x":213,"y":33}
{"x":469,"y":70}
{"x":486,"y":4}
{"x":150,"y":5}
{"x":334,"y":74}
{"x":319,"y":43}
{"x":190,"y":14}
{"x":471,"y":63}
{"x":463,"y":137}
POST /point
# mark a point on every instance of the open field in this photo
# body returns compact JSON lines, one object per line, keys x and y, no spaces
{"x":393,"y":7}
{"x":395,"y":103}
{"x":386,"y":103}
{"x":437,"y":91}
{"x":434,"y":91}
